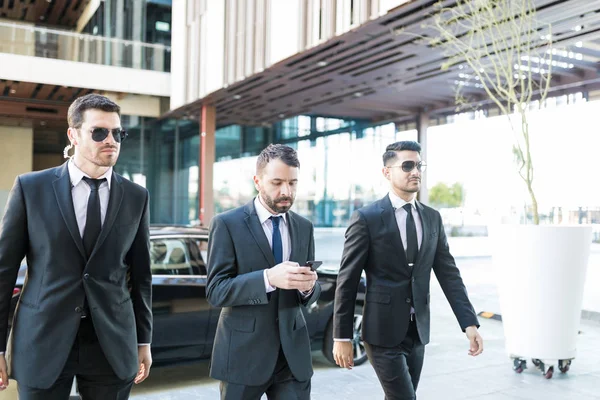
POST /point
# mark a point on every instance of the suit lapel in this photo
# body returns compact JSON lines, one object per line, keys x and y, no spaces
{"x":257,"y":232}
{"x":64,"y":198}
{"x":114,"y":203}
{"x":388,"y":217}
{"x":425,"y":227}
{"x":294,"y":235}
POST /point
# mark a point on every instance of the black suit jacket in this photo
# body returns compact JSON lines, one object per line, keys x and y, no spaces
{"x":373,"y":244}
{"x":40,"y":223}
{"x":253,"y":325}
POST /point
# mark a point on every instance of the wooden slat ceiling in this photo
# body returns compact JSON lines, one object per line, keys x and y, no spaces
{"x":64,"y":13}
{"x":376,"y":73}
{"x":37,"y":101}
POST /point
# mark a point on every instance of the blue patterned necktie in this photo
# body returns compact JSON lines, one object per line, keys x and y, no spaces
{"x":277,"y":244}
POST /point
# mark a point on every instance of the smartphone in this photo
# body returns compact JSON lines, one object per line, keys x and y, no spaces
{"x":314,"y":265}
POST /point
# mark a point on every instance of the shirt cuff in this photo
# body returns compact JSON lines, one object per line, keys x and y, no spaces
{"x":341,"y":340}
{"x":143,"y":344}
{"x":307,"y":294}
{"x":268,"y":287}
{"x":1,"y":352}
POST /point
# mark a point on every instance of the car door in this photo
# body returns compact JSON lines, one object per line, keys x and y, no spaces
{"x":181,"y":312}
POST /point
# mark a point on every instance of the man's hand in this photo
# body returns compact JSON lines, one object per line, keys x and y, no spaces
{"x":144,"y":362}
{"x":3,"y":373}
{"x":289,"y":275}
{"x":343,"y":354}
{"x":475,"y":341}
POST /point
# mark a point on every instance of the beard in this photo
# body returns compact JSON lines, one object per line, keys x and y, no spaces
{"x":411,"y":188}
{"x":272,"y":203}
{"x":104,"y":159}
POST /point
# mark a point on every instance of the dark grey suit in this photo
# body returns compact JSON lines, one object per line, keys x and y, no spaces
{"x":373,"y":244}
{"x":40,"y":223}
{"x":254,"y":326}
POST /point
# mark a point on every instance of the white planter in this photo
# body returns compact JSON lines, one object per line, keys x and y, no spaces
{"x":540,"y":272}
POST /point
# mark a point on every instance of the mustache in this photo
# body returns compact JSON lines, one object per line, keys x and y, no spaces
{"x":283,"y":198}
{"x":109,"y":148}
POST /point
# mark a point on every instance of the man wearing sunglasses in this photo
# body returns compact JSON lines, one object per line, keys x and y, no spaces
{"x":397,"y":241}
{"x":85,"y":308}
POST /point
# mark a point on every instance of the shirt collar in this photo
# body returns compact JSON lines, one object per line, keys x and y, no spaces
{"x":264,"y":214}
{"x":398,"y":202}
{"x":77,"y":175}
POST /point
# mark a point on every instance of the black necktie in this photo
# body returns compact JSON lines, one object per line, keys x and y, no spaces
{"x":277,"y":244}
{"x":93,"y":222}
{"x":412,"y":245}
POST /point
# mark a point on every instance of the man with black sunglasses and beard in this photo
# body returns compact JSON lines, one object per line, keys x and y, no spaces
{"x":397,"y":241}
{"x":85,"y":307}
{"x":257,"y":273}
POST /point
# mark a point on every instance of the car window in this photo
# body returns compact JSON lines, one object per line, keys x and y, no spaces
{"x":169,"y":257}
{"x":199,"y":247}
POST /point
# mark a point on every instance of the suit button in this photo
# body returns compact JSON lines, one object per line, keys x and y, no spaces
{"x":78,"y":309}
{"x":86,"y":276}
{"x":413,"y":280}
{"x":408,"y":300}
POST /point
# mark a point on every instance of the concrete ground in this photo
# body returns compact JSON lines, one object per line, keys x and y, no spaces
{"x":448,"y":374}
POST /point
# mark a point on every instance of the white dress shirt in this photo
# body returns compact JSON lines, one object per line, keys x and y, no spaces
{"x":401,"y":215}
{"x":264,"y":216}
{"x":81,"y":193}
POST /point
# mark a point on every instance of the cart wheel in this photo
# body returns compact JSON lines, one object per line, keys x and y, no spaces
{"x":537,"y":362}
{"x":549,"y":373}
{"x":563,"y":365}
{"x":519,"y":365}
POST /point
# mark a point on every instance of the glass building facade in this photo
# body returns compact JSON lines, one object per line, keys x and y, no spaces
{"x":339,"y":160}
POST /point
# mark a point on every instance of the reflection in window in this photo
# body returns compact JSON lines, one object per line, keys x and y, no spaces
{"x":339,"y":173}
{"x":169,"y":257}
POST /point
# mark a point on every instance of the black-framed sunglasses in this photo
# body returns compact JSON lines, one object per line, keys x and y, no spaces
{"x":99,"y":134}
{"x":408,"y":166}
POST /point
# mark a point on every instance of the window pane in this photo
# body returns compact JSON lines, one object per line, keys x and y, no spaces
{"x":169,"y":257}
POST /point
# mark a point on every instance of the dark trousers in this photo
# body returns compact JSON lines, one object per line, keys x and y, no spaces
{"x":281,"y":386}
{"x":95,"y":377}
{"x":399,"y":368}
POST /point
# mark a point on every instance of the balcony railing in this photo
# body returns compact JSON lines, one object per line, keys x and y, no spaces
{"x":36,"y":41}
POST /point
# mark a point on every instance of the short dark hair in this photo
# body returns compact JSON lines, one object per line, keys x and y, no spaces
{"x":90,"y":101}
{"x":392,"y":149}
{"x":274,"y":152}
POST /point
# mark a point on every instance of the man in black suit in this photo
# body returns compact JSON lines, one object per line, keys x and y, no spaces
{"x":85,"y":307}
{"x":397,"y":241}
{"x":256,"y":272}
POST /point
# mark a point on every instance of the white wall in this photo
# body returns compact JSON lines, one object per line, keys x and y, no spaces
{"x":78,"y":74}
{"x":217,"y":43}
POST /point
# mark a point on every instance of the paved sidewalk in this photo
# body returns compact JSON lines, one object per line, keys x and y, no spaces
{"x":449,"y":373}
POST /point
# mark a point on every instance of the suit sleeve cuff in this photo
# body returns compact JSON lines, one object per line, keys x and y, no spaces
{"x":268,"y":287}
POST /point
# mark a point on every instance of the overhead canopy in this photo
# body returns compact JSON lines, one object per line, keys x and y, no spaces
{"x":383,"y":71}
{"x":65,"y":13}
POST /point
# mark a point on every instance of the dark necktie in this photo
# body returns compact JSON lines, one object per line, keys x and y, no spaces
{"x":277,"y":244}
{"x":412,"y":245}
{"x":93,"y":222}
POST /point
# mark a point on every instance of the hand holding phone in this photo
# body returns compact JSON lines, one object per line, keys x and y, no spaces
{"x":314,"y":265}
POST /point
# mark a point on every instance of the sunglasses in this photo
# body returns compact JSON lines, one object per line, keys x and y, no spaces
{"x":408,"y":166}
{"x":99,"y":134}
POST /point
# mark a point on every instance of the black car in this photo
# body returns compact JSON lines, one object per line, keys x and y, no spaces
{"x":184,"y":322}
